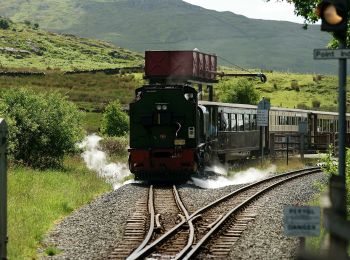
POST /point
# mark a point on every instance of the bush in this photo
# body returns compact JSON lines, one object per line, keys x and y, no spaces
{"x":243,"y":92}
{"x":330,"y":166}
{"x":42,"y":127}
{"x":28,"y":23}
{"x":316,"y":103}
{"x":4,"y":23}
{"x":115,"y":122}
{"x":302,"y":106}
{"x":294,"y":85}
{"x":115,"y":145}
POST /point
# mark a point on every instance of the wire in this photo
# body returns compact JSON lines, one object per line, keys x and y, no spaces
{"x":233,"y":64}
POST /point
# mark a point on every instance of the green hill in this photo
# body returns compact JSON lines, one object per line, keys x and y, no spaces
{"x":173,"y":24}
{"x":24,"y":45}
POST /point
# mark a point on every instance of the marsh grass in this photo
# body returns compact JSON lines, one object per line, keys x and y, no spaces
{"x":38,"y":199}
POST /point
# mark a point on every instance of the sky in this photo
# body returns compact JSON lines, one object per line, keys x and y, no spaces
{"x":259,"y":9}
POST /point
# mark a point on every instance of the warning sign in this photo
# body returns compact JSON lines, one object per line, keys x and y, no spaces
{"x":301,"y":221}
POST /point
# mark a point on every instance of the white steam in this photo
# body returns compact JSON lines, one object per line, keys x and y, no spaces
{"x":96,"y":160}
{"x":250,"y":175}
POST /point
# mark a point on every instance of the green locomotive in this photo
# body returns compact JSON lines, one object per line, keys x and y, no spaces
{"x":164,"y":132}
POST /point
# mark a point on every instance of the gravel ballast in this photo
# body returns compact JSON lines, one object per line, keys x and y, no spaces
{"x":92,"y":231}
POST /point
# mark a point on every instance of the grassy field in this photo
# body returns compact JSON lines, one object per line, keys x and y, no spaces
{"x":38,"y":199}
{"x":159,"y":24}
{"x":291,"y":90}
{"x":92,"y":92}
{"x":23,"y":46}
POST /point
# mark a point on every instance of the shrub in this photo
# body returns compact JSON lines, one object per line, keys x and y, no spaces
{"x":115,"y":145}
{"x":302,"y":106}
{"x":316,"y":103}
{"x":42,"y":127}
{"x":114,"y":122}
{"x":243,"y":92}
{"x":4,"y":23}
{"x":295,"y":85}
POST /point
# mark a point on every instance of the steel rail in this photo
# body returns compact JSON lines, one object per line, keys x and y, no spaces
{"x":147,"y":250}
{"x":151,"y":225}
{"x":190,"y":224}
{"x":224,"y":219}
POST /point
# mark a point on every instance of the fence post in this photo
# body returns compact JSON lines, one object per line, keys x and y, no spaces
{"x":3,"y":189}
{"x":302,"y":146}
{"x":272,"y":145}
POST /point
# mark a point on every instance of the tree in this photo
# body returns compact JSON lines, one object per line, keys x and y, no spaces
{"x":306,"y":9}
{"x":243,"y":92}
{"x":115,"y":122}
{"x":42,"y":127}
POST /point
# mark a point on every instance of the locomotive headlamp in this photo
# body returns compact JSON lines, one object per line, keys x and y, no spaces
{"x":164,"y":107}
{"x":159,"y":107}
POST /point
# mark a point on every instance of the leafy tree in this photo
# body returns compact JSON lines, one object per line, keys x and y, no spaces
{"x":42,"y":127}
{"x":243,"y":92}
{"x":115,"y":122}
{"x":306,"y":9}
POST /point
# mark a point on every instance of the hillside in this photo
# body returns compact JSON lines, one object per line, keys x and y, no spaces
{"x":24,"y":45}
{"x":173,"y":24}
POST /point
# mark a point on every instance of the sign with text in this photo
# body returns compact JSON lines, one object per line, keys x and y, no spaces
{"x":262,"y":117}
{"x":326,"y":54}
{"x":303,"y":127}
{"x":301,"y":221}
{"x":264,"y":104}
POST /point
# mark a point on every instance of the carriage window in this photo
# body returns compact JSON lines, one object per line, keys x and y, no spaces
{"x":246,"y":122}
{"x":226,"y":126}
{"x":318,"y":125}
{"x":253,"y":125}
{"x":222,"y":122}
{"x":240,"y":122}
{"x":335,"y":125}
{"x":233,"y":122}
{"x":332,"y":126}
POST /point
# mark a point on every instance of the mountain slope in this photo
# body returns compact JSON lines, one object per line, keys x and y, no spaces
{"x":174,"y":24}
{"x":25,"y":46}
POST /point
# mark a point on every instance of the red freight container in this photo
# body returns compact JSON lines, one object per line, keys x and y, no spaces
{"x":187,"y":65}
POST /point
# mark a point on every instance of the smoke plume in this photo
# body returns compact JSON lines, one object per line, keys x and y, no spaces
{"x":96,"y":160}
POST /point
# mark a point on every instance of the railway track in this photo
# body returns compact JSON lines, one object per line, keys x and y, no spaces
{"x":161,"y":211}
{"x":217,"y":226}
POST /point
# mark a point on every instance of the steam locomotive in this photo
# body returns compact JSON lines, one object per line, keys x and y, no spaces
{"x":174,"y":134}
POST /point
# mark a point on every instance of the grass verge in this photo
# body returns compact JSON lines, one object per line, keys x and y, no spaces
{"x":280,"y":163}
{"x":38,"y":199}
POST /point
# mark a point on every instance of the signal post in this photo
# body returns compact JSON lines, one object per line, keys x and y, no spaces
{"x":3,"y":189}
{"x":334,"y":15}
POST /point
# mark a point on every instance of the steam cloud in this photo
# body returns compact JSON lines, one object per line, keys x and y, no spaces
{"x":96,"y":160}
{"x":250,"y":175}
